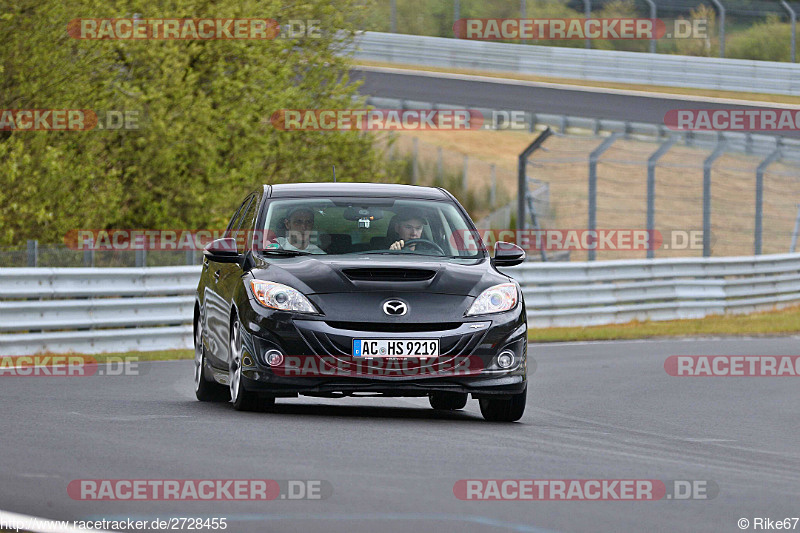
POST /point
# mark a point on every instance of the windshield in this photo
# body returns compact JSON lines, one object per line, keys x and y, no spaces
{"x":352,"y":226}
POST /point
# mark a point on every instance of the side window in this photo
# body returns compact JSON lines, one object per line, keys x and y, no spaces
{"x":245,"y":231}
{"x":233,"y":225}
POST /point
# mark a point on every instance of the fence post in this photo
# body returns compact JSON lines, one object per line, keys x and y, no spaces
{"x":415,"y":163}
{"x":522,"y":9}
{"x":439,"y":167}
{"x":593,"y":158}
{"x":141,"y":258}
{"x":493,"y":190}
{"x":651,"y":192}
{"x":587,"y":12}
{"x":721,"y":11}
{"x":793,"y":19}
{"x":465,"y":176}
{"x":394,"y":16}
{"x":522,"y":179}
{"x":760,"y":196}
{"x":456,"y":10}
{"x":796,"y":229}
{"x":652,"y":17}
{"x":33,"y":253}
{"x":707,"y":196}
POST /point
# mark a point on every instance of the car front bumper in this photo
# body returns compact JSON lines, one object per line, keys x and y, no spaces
{"x":480,"y":339}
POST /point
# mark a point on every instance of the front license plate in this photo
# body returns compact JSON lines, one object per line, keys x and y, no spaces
{"x":395,"y":347}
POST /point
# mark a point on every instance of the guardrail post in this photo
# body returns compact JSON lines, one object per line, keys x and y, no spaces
{"x":33,"y":253}
{"x":593,"y":157}
{"x":652,"y":17}
{"x":760,"y":196}
{"x":651,"y":192}
{"x":721,"y":11}
{"x":709,"y":161}
{"x":522,"y":179}
{"x":793,"y":19}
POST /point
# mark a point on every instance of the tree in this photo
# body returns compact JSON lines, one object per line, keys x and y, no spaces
{"x":203,"y":136}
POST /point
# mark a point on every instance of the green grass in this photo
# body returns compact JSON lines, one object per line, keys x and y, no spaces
{"x":782,"y":322}
{"x":163,"y":355}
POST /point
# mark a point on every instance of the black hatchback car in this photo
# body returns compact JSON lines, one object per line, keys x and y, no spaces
{"x":348,"y":289}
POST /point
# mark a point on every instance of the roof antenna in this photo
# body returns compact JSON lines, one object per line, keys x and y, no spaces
{"x":334,"y":173}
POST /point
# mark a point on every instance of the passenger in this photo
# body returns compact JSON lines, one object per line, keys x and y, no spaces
{"x":299,"y":223}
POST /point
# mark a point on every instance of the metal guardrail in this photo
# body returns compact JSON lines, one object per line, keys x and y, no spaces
{"x":607,"y":292}
{"x":576,"y":63}
{"x":94,"y":310}
{"x":88,"y":310}
{"x":736,"y":141}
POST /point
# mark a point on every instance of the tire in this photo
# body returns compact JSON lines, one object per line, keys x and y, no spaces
{"x":448,"y":401}
{"x":206,"y":391}
{"x":505,"y":409}
{"x":243,"y":400}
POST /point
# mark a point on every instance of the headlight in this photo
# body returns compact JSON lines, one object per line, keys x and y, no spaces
{"x":282,"y":297}
{"x":495,"y":300}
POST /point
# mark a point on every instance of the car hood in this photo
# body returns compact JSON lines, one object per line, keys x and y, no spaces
{"x":313,"y":275}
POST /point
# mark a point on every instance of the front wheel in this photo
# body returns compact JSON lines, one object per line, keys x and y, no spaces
{"x":204,"y":390}
{"x":243,"y":400}
{"x":504,"y":409}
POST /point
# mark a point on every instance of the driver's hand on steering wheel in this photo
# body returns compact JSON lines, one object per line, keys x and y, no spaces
{"x":398,"y":245}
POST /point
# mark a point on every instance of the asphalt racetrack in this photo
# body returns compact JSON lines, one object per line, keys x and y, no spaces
{"x":526,"y":96}
{"x":595,"y":411}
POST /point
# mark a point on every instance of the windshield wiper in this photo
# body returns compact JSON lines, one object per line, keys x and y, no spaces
{"x":288,"y":253}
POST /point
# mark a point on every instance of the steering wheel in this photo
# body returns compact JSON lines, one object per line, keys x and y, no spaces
{"x":426,"y":243}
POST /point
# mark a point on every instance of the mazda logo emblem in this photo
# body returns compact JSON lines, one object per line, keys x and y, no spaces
{"x":395,"y":308}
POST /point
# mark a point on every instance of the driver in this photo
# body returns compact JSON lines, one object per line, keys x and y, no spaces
{"x":408,"y":225}
{"x":299,"y":223}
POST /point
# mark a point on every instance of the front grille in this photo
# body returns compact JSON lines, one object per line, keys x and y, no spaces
{"x":388,"y":274}
{"x":394,"y":327}
{"x":339,"y":344}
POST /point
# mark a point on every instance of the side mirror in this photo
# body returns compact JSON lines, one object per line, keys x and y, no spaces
{"x":222,"y":251}
{"x":507,"y":254}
